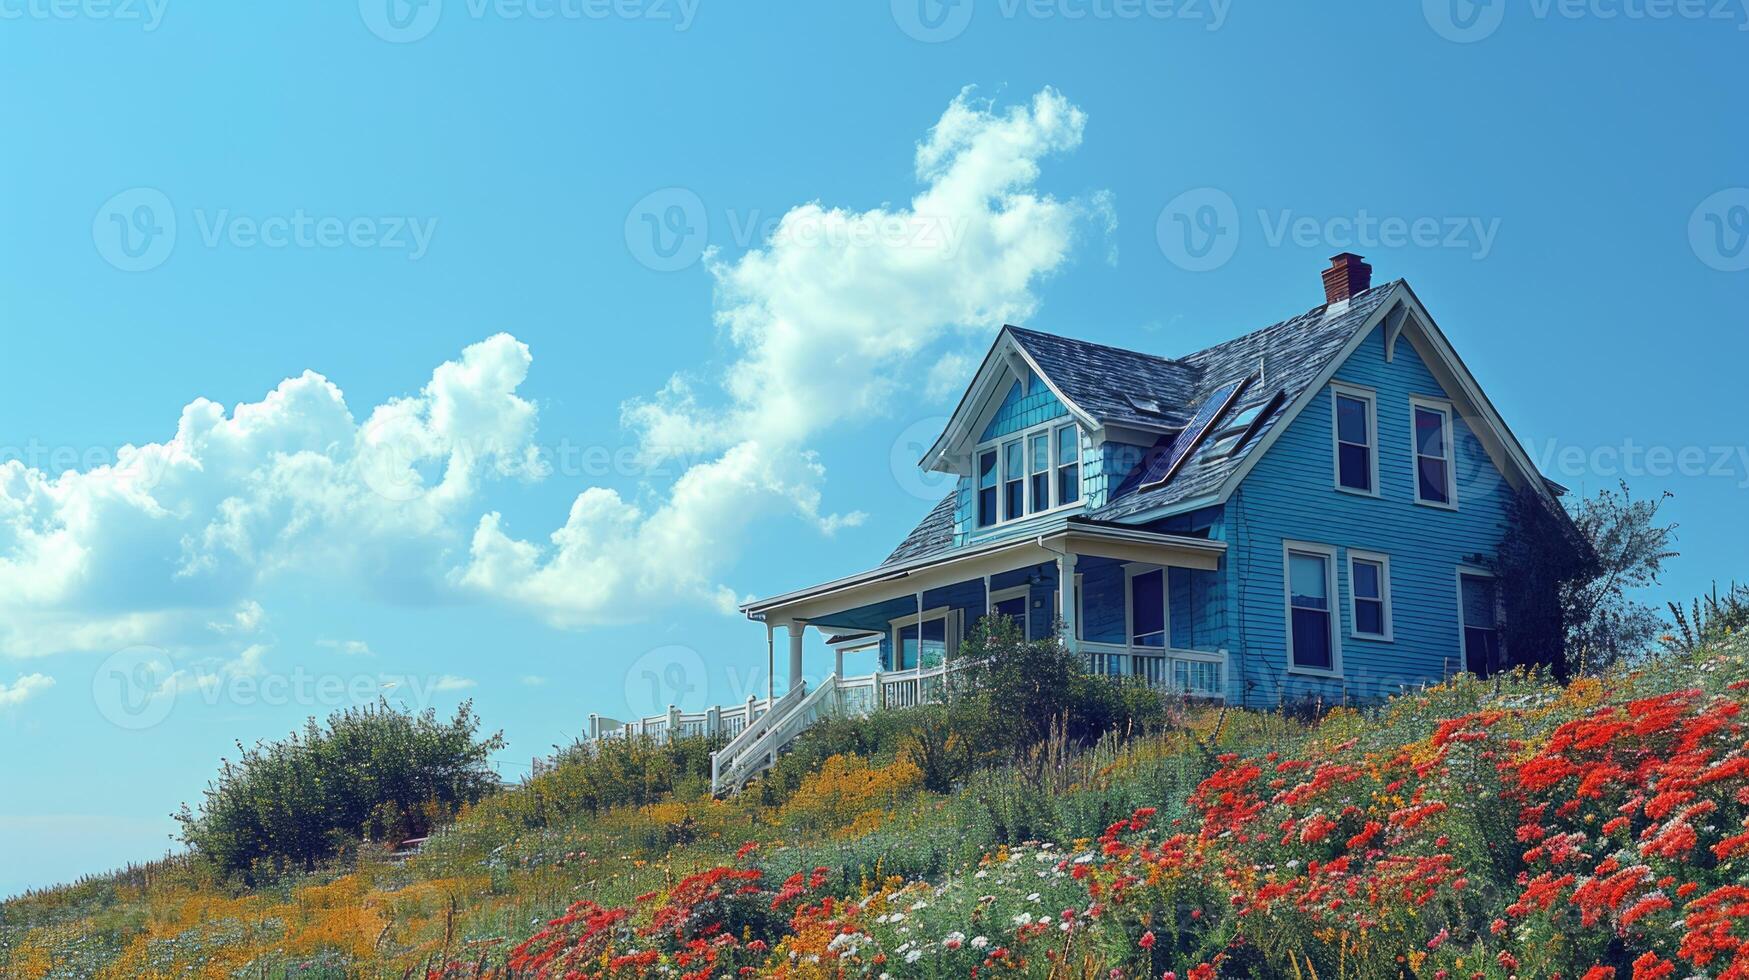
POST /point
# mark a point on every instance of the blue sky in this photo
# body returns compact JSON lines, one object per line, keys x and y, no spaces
{"x":688,"y":284}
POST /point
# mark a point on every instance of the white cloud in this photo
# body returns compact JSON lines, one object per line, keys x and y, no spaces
{"x":147,"y":549}
{"x":23,"y":689}
{"x":826,"y":324}
{"x":831,"y":320}
{"x":450,"y":682}
{"x":533,"y":680}
{"x":351,"y":648}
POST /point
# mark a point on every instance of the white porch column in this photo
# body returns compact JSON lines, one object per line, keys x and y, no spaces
{"x":795,"y":654}
{"x":1066,"y":601}
{"x":770,"y":668}
{"x":838,"y":662}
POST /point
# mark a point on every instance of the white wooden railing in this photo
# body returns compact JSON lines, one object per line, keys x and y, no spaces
{"x":759,"y":730}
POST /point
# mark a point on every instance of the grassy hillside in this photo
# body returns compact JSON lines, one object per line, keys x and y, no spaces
{"x":1477,"y":829}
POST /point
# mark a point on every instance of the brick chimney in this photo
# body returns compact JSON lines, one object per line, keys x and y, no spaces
{"x":1348,"y":275}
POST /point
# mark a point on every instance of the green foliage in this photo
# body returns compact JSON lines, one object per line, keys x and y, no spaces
{"x":1567,"y":581}
{"x":591,"y":778}
{"x":1022,"y":689}
{"x":1709,"y":619}
{"x":371,"y":773}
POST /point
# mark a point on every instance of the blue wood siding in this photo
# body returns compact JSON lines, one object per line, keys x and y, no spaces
{"x":1291,"y":495}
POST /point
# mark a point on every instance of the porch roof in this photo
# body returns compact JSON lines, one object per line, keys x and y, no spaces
{"x":1069,"y":535}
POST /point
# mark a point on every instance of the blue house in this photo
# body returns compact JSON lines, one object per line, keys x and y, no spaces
{"x":1306,"y":511}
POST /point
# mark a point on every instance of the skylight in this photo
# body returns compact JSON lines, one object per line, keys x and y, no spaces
{"x":1147,"y":406}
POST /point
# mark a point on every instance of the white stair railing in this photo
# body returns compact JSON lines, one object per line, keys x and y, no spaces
{"x":730,"y":772}
{"x":755,"y":730}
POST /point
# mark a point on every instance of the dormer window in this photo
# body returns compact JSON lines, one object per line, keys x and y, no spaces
{"x":1027,"y":473}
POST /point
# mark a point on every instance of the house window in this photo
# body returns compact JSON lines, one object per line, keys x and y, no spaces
{"x":1013,"y":480}
{"x":1311,"y":613}
{"x":1369,"y":587}
{"x":926,"y":647}
{"x":1356,"y":440}
{"x":1433,"y":454}
{"x":1013,"y":603}
{"x":1039,"y":460}
{"x":987,"y":489}
{"x":1148,"y":609}
{"x":1479,"y":611}
{"x":1028,"y":473}
{"x":1068,"y":465}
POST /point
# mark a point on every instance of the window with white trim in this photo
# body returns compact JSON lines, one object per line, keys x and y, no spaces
{"x":1430,"y":423}
{"x":928,"y":643}
{"x":1311,"y":593}
{"x":1369,"y":592}
{"x":1027,"y":473}
{"x":1014,"y":603}
{"x":1356,"y":439}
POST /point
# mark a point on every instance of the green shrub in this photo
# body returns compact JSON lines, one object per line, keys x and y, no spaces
{"x":371,"y":773}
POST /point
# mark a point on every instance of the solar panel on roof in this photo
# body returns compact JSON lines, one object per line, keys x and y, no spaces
{"x":1166,"y":465}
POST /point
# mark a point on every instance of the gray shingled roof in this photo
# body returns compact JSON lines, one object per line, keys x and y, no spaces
{"x":932,"y":534}
{"x":1098,"y":378}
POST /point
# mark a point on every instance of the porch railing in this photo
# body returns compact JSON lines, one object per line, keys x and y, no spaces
{"x":758,"y":730}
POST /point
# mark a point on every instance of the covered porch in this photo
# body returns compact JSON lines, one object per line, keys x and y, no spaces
{"x":1140,"y":604}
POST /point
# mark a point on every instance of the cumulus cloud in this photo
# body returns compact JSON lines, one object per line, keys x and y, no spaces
{"x":825,"y":323}
{"x":148,"y":548}
{"x":23,"y":689}
{"x":351,"y":648}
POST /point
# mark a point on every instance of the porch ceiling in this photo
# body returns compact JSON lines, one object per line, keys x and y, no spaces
{"x":988,"y":558}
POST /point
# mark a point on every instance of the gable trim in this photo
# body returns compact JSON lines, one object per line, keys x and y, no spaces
{"x":1004,"y":360}
{"x":1415,"y":315}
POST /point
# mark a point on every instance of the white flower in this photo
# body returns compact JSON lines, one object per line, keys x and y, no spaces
{"x":1023,"y":919}
{"x":913,"y":956}
{"x":919,"y":906}
{"x":1033,"y":897}
{"x":982,"y":873}
{"x":896,"y":917}
{"x":979,"y":942}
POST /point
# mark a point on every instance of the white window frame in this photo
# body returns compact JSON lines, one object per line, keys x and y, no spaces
{"x":1332,"y":587}
{"x":1371,"y":398}
{"x":1384,"y":562}
{"x":950,"y":630}
{"x":977,"y":491}
{"x":1024,"y":437}
{"x":1019,"y":592}
{"x":1443,"y":408}
{"x":1059,"y":464}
